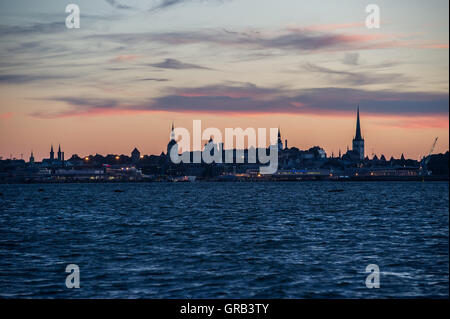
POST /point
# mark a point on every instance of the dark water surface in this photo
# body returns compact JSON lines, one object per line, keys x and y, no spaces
{"x":213,"y":240}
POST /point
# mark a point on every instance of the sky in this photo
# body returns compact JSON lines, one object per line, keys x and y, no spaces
{"x":133,"y":67}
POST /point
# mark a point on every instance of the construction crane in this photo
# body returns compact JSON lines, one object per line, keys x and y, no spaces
{"x":427,"y":158}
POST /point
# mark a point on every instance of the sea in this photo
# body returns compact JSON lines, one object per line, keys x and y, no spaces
{"x":225,"y":240}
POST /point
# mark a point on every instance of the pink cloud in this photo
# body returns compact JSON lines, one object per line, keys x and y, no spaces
{"x":7,"y":115}
{"x":124,"y":58}
{"x":411,"y":122}
{"x":297,"y":104}
{"x":329,"y":27}
{"x":89,"y":112}
{"x":436,"y":46}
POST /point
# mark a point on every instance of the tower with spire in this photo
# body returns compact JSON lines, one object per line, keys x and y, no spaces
{"x":172,"y":143}
{"x":358,"y":141}
{"x":31,"y":158}
{"x":60,"y":154}
{"x":172,"y":133}
{"x":280,"y":142}
{"x":52,"y":154}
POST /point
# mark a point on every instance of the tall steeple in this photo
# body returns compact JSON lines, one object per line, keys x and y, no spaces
{"x":358,"y":141}
{"x":172,"y":133}
{"x":52,"y":153}
{"x":172,"y":142}
{"x":59,"y":153}
{"x":358,"y":127}
{"x":280,"y":142}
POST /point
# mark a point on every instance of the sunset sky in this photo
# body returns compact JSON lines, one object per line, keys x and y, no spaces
{"x":133,"y":67}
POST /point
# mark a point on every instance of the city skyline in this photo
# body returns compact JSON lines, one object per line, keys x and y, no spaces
{"x":119,"y":81}
{"x":357,"y":149}
{"x":358,"y":136}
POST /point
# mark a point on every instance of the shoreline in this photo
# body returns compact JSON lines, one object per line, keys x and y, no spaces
{"x":359,"y":179}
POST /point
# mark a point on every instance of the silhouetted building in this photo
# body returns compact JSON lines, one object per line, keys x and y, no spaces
{"x":172,"y":143}
{"x":358,"y":141}
{"x":135,"y":155}
{"x":280,"y":142}
{"x":52,"y":154}
{"x":60,"y":154}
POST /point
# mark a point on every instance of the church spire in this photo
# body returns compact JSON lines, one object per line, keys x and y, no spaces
{"x":52,"y":153}
{"x":60,"y":156}
{"x":172,"y":143}
{"x":172,"y":133}
{"x":279,"y":142}
{"x":358,"y":127}
{"x":32,"y":157}
{"x":358,"y":141}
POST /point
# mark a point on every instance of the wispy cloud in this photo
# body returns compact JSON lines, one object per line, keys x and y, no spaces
{"x":89,"y":102}
{"x":299,"y":41}
{"x":413,"y":122}
{"x":329,"y":27}
{"x":246,"y":98}
{"x":356,"y":78}
{"x":80,"y":106}
{"x":117,"y":5}
{"x":177,"y":65}
{"x":37,"y":28}
{"x":253,"y":99}
{"x":153,"y":79}
{"x":124,"y":58}
{"x":166,"y":4}
{"x":24,"y":78}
